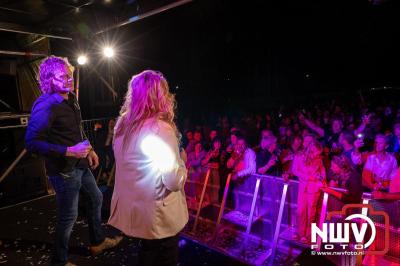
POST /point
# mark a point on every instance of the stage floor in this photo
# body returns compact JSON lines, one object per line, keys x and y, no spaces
{"x":27,"y":232}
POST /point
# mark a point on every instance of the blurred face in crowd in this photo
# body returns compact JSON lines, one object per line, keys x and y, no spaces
{"x":289,"y":133}
{"x":197,"y":136}
{"x":337,"y":126}
{"x":97,"y":126}
{"x":286,"y":121}
{"x":265,"y":142}
{"x":388,"y":111}
{"x":111,"y":124}
{"x":335,"y":168}
{"x":241,"y":146}
{"x":213,"y":134}
{"x":266,"y":133}
{"x":198,"y":148}
{"x":351,"y":127}
{"x":380,"y":144}
{"x":296,"y":127}
{"x":349,"y":118}
{"x":225,"y":122}
{"x":342,"y":140}
{"x":315,"y":150}
{"x":338,"y":110}
{"x":217,"y":145}
{"x":282,"y":131}
{"x":305,"y":132}
{"x":397,"y":130}
{"x":307,"y":140}
{"x":189,"y":135}
{"x":233,"y":139}
{"x":272,"y":145}
{"x":296,"y":144}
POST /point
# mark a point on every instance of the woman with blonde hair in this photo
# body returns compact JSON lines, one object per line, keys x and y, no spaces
{"x":148,"y":202}
{"x":309,"y":168}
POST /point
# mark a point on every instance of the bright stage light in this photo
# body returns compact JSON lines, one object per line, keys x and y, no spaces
{"x":108,"y":52}
{"x":160,"y":154}
{"x":82,"y":59}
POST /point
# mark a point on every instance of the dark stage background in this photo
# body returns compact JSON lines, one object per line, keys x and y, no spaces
{"x":223,"y":56}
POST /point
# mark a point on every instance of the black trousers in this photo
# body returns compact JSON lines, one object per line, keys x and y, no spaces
{"x":157,"y":252}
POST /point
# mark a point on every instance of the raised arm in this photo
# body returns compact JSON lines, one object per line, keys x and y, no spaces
{"x":314,"y":127}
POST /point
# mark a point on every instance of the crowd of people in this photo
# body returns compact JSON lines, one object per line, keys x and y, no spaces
{"x":322,"y":148}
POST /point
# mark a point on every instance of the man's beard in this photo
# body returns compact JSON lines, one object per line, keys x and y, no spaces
{"x":64,"y":89}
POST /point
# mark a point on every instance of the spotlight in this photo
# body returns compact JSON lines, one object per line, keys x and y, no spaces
{"x":108,"y":52}
{"x":82,"y":59}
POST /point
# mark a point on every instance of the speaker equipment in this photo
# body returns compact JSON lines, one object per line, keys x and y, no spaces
{"x":9,"y":98}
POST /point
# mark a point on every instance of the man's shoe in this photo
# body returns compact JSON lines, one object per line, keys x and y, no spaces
{"x":106,"y":244}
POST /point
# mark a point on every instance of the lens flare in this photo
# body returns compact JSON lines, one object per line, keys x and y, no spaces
{"x":82,"y":59}
{"x":108,"y":52}
{"x":160,"y":154}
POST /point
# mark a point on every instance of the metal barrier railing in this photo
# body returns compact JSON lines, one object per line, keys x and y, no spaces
{"x":282,"y":218}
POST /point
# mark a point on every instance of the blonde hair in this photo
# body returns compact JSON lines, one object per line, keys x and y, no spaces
{"x":148,"y":96}
{"x":309,"y":151}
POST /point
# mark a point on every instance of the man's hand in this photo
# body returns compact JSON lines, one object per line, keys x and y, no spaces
{"x":93,"y":160}
{"x":366,"y":119}
{"x":333,"y":183}
{"x":301,"y":117}
{"x":289,"y":157}
{"x":271,"y":162}
{"x":285,"y":177}
{"x":262,"y":170}
{"x":378,"y":194}
{"x":80,"y":150}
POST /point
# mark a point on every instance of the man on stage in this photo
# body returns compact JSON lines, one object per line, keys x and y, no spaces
{"x":55,"y":132}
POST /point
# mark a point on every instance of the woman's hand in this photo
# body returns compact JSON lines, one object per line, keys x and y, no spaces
{"x":333,"y":183}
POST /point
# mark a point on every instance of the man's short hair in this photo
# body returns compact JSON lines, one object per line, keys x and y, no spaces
{"x":271,"y":139}
{"x":241,"y":137}
{"x":337,"y":118}
{"x":381,"y":136}
{"x":236,"y":133}
{"x":348,"y":136}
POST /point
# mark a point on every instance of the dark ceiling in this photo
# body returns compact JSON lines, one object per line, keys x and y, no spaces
{"x":67,"y":18}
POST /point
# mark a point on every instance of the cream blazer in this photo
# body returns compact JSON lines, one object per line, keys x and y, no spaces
{"x":148,"y":199}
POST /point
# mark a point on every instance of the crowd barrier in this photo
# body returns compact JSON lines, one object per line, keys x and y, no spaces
{"x":254,"y":219}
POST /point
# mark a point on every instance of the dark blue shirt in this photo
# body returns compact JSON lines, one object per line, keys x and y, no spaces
{"x":262,"y":158}
{"x":54,"y":125}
